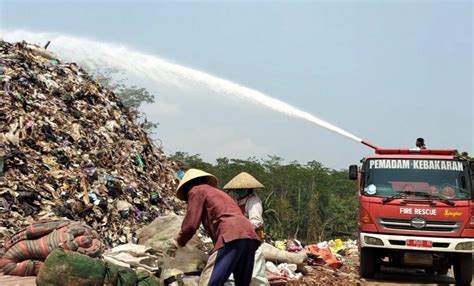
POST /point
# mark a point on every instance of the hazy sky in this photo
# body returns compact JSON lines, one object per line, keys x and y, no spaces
{"x":386,"y":71}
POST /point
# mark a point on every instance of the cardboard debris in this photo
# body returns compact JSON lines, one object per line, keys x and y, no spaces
{"x":69,"y":148}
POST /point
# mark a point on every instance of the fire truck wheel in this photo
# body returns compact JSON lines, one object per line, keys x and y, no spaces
{"x":462,"y":264}
{"x":368,"y":262}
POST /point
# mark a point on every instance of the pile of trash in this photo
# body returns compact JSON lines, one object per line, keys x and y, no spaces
{"x":284,"y":259}
{"x":337,"y":264}
{"x":333,"y":262}
{"x":70,"y":149}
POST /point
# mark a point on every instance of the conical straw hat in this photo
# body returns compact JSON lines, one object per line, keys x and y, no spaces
{"x":192,"y":174}
{"x":243,"y":181}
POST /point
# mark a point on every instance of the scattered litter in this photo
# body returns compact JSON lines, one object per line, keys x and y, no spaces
{"x":139,"y":257}
{"x":333,"y":262}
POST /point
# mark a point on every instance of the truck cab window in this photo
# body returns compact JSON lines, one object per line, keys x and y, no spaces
{"x":388,"y":177}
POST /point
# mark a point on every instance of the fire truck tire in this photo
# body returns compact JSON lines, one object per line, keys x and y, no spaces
{"x":462,"y":266}
{"x":368,"y":262}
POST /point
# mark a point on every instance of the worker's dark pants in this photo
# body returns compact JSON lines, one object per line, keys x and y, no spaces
{"x":235,"y":257}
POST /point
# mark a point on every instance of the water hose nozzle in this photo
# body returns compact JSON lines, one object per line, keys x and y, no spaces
{"x":369,"y":144}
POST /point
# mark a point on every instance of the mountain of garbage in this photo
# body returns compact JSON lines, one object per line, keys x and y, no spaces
{"x":70,"y":149}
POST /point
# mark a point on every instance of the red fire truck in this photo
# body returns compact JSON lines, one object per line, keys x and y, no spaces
{"x":416,"y":210}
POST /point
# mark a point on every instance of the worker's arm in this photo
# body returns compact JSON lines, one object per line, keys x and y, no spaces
{"x":255,"y":212}
{"x":192,"y":218}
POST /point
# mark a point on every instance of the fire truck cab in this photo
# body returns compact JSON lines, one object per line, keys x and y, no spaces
{"x":416,"y":210}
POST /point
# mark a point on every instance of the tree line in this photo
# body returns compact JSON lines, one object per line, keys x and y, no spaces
{"x":308,"y":201}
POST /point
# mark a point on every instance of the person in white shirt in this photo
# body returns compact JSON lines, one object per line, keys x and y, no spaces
{"x":242,"y":189}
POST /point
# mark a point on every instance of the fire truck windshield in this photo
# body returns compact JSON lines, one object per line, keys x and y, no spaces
{"x":447,"y":179}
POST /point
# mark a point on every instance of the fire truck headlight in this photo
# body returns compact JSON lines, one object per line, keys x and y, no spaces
{"x":465,"y":246}
{"x":373,"y":240}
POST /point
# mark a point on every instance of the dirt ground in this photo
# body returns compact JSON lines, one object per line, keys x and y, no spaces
{"x":348,"y":274}
{"x":323,"y":276}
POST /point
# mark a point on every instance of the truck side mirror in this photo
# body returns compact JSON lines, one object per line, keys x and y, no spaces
{"x":353,"y":172}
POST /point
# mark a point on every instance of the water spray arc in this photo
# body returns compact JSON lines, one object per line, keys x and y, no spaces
{"x":162,"y":71}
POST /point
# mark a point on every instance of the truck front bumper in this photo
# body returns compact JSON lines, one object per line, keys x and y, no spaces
{"x":438,"y":244}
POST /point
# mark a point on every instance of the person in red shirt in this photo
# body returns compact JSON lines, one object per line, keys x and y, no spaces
{"x":235,"y":240}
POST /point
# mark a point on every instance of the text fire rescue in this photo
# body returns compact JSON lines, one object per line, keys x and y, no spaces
{"x":416,"y":164}
{"x":417,"y":211}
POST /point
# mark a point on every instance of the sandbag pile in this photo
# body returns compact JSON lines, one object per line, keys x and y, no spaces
{"x":66,"y":268}
{"x":69,"y":148}
{"x":27,"y":249}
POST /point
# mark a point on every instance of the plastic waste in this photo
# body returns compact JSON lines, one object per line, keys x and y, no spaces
{"x":280,"y":244}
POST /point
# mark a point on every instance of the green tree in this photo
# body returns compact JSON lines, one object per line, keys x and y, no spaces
{"x":309,"y":202}
{"x":186,"y":161}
